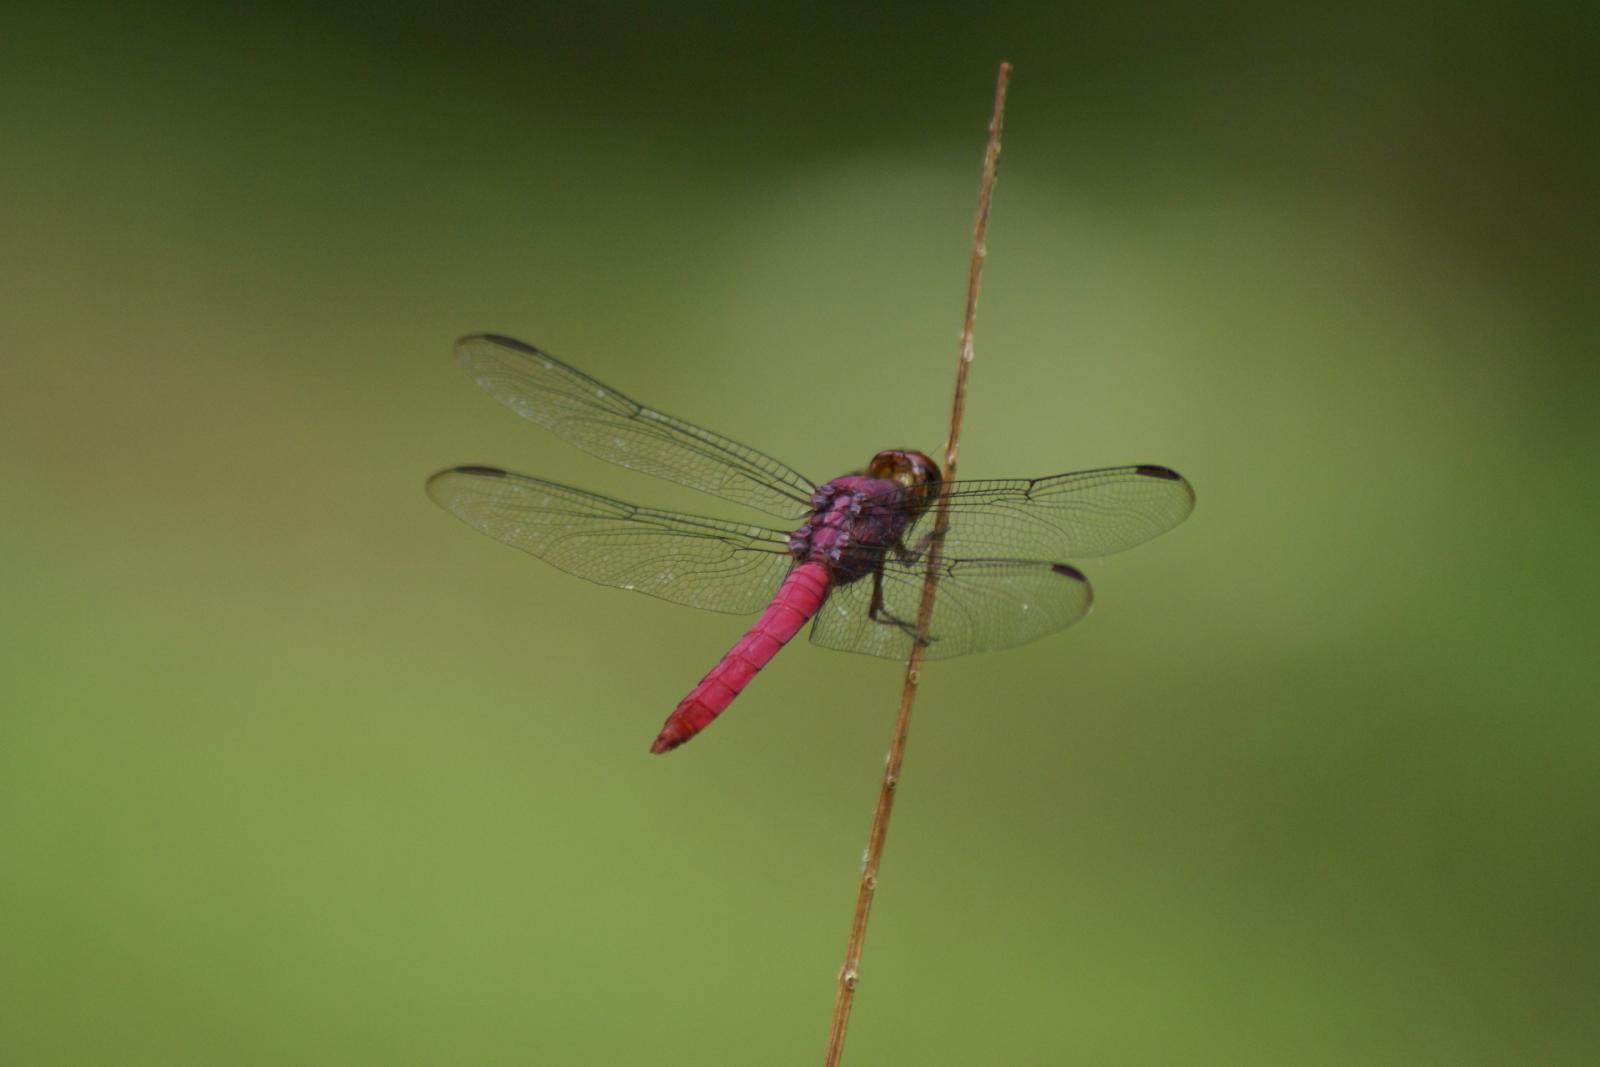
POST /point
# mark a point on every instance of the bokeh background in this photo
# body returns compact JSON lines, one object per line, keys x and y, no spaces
{"x":295,"y":768}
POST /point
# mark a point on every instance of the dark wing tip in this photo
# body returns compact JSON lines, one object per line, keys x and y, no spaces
{"x":469,"y":349}
{"x":494,"y":338}
{"x":438,"y":483}
{"x":1067,"y":570}
{"x":1167,"y":474}
{"x":1071,"y":573}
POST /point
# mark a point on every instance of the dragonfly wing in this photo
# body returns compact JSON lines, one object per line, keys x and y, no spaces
{"x":604,"y":423}
{"x":1067,"y":516}
{"x":704,"y":563}
{"x":982,"y":605}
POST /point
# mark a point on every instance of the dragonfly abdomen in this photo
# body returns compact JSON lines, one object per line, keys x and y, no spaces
{"x":792,"y":606}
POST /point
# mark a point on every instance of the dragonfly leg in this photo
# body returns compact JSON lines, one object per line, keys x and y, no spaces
{"x":911,"y":555}
{"x":880,"y":614}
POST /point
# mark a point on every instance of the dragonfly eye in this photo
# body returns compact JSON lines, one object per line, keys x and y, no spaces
{"x":908,"y":468}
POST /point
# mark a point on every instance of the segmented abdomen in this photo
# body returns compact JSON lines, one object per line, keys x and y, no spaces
{"x":795,"y":602}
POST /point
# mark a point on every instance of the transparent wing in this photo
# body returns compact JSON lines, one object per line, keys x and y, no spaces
{"x":981,"y":605}
{"x":994,"y":590}
{"x":704,"y":563}
{"x":1067,"y":516}
{"x":604,"y":423}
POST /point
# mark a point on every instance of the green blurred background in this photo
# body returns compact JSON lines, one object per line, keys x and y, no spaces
{"x":296,"y":769}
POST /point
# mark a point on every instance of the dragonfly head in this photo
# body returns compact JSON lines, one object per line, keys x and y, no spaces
{"x":914,"y":470}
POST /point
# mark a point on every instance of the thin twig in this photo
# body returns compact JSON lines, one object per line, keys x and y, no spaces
{"x":849,"y":973}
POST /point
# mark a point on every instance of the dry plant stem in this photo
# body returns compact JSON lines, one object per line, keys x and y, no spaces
{"x":902,"y":724}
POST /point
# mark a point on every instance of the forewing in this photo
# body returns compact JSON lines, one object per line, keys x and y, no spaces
{"x":1067,"y":516}
{"x":704,"y":563}
{"x":981,"y":605}
{"x":604,"y":423}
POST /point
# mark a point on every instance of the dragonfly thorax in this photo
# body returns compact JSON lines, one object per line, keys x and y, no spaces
{"x":854,"y":521}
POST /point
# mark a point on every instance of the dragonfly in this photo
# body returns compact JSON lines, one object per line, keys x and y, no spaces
{"x":855,"y":565}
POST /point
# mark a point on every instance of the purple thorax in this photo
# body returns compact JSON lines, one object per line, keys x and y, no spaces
{"x":854,"y":520}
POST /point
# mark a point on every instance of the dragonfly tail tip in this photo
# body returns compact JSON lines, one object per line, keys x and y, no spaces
{"x":667,"y":740}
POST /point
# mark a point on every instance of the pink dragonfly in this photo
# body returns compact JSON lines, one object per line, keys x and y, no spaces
{"x":856,"y":563}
